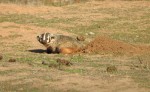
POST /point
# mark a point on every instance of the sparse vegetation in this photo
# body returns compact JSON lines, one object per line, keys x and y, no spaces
{"x":43,"y":2}
{"x":34,"y":70}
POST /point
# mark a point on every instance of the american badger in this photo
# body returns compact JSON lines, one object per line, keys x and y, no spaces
{"x":57,"y":43}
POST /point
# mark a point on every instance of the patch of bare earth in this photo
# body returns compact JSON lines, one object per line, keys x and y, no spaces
{"x":27,"y":9}
{"x":43,"y":78}
{"x":13,"y":71}
{"x":88,"y":84}
{"x":107,"y":45}
{"x":59,"y":80}
{"x":23,"y":34}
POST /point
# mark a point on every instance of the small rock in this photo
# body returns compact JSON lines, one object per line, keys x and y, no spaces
{"x":12,"y":60}
{"x":91,"y":33}
{"x":111,"y":69}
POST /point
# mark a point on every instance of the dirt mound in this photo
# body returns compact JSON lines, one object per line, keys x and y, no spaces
{"x":107,"y":45}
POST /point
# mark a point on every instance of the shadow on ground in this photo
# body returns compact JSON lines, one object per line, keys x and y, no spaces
{"x":37,"y":51}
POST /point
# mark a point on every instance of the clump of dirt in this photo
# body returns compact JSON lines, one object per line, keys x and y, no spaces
{"x":1,"y":57}
{"x":12,"y":60}
{"x":107,"y":45}
{"x":80,"y":38}
{"x":111,"y":69}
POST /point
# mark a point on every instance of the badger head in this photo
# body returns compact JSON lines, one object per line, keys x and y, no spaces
{"x":46,"y":38}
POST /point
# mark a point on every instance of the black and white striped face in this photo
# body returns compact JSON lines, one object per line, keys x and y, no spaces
{"x":44,"y":38}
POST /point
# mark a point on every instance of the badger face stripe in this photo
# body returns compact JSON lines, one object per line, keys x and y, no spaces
{"x":44,"y":36}
{"x":47,"y":37}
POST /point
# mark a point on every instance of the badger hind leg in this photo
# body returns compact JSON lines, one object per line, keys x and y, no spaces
{"x":68,"y":50}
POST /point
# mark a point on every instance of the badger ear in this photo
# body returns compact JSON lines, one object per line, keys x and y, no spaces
{"x":38,"y":38}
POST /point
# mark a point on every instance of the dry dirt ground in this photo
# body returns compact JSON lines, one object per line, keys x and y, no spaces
{"x":88,"y":72}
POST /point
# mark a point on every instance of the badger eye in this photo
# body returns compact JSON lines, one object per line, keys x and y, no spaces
{"x":52,"y":37}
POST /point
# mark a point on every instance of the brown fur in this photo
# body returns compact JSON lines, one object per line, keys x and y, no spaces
{"x":61,"y":44}
{"x":68,"y":50}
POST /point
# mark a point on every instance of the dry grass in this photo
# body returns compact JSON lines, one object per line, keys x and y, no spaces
{"x":43,"y":2}
{"x":19,"y":27}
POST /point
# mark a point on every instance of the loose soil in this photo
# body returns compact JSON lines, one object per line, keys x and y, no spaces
{"x":103,"y":44}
